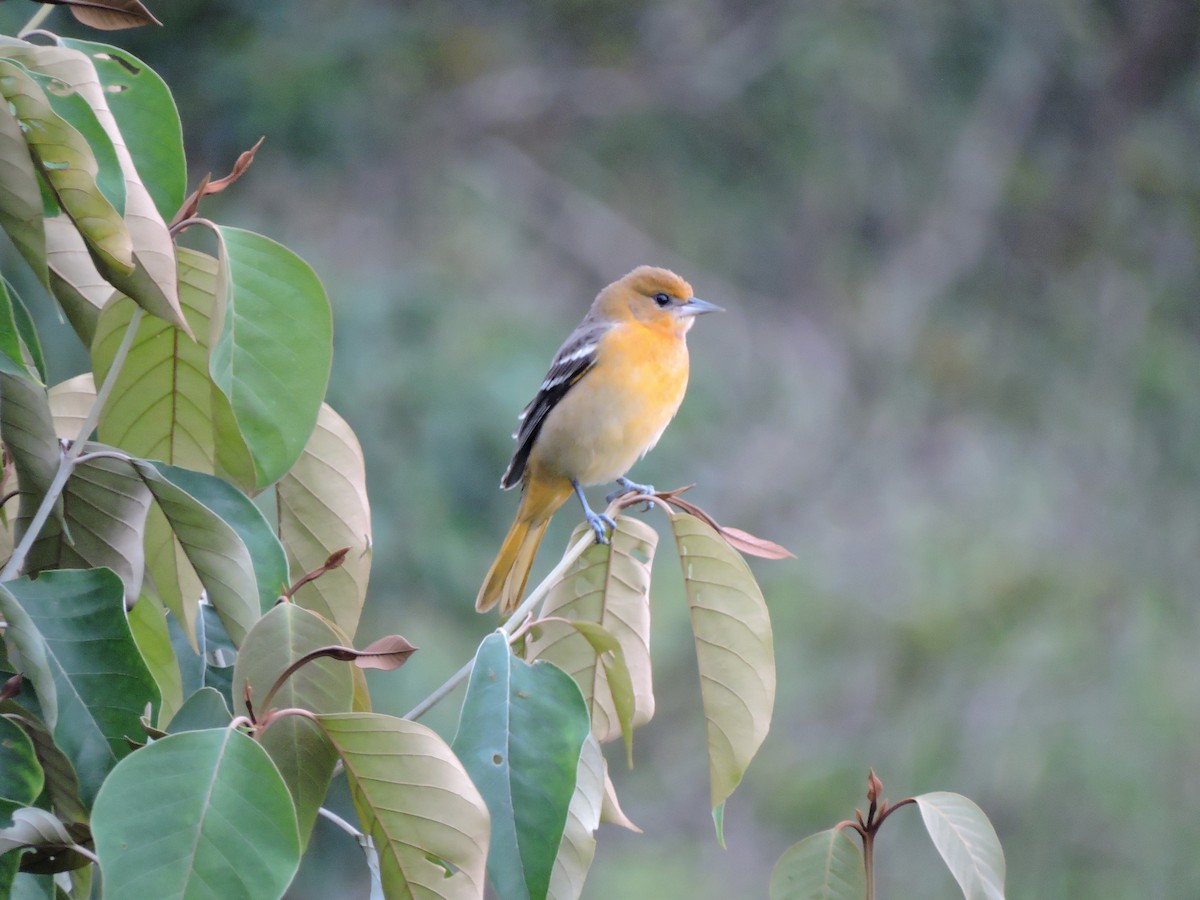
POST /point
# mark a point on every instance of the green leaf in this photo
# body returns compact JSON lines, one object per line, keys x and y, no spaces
{"x":273,"y":354}
{"x":608,"y":586}
{"x":214,"y":551}
{"x":148,"y":623}
{"x":164,"y":403}
{"x":239,"y":512}
{"x":578,"y":846}
{"x":305,"y":759}
{"x":21,"y":213}
{"x":100,"y":682}
{"x":229,"y":829}
{"x":145,"y":112}
{"x":323,"y":507}
{"x":734,"y":650}
{"x":28,"y":432}
{"x":104,"y":506}
{"x":61,"y":782}
{"x":824,"y":866}
{"x":21,"y":777}
{"x":967,"y":842}
{"x":206,"y":708}
{"x":75,"y":111}
{"x":63,"y":156}
{"x":78,"y":286}
{"x":12,"y":345}
{"x":27,"y":332}
{"x":152,"y":279}
{"x":520,"y":736}
{"x":428,"y":823}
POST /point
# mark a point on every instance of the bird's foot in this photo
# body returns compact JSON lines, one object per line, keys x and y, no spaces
{"x":601,"y":524}
{"x":626,"y":486}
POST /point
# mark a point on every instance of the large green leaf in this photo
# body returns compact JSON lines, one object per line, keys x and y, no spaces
{"x":204,"y":709}
{"x":609,"y":586}
{"x":21,"y":777}
{"x":104,"y":506}
{"x":238,"y":512}
{"x":578,"y":846}
{"x":214,"y":551}
{"x":63,"y":156}
{"x":734,"y":650}
{"x":164,"y":403}
{"x":21,"y":213}
{"x":228,"y":830}
{"x":520,"y":736}
{"x":101,"y":683}
{"x":323,"y":507}
{"x":825,"y":866}
{"x":143,"y":108}
{"x":273,"y":354}
{"x":967,"y":842}
{"x":77,"y":284}
{"x":152,"y":280}
{"x":304,"y":757}
{"x":428,"y":823}
{"x":70,"y":403}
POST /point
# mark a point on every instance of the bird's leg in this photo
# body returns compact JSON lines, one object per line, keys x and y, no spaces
{"x":627,"y":486}
{"x":598,"y":521}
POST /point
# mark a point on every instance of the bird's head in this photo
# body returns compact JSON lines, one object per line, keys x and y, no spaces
{"x":656,"y":297}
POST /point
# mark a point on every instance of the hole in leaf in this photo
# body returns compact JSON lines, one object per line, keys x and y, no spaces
{"x":498,"y":759}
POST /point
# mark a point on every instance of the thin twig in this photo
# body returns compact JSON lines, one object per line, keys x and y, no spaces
{"x":36,"y":19}
{"x":340,"y":823}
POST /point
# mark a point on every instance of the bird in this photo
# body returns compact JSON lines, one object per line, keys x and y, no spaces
{"x":613,"y":387}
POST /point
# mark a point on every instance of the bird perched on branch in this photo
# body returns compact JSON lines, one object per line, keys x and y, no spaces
{"x":612,"y":388}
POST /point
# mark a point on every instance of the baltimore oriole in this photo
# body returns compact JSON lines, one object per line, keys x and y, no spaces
{"x":612,"y":388}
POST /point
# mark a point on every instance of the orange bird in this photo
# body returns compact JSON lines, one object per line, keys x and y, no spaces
{"x":611,"y":391}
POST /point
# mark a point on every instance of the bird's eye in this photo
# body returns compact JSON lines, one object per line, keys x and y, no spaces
{"x":662,"y":299}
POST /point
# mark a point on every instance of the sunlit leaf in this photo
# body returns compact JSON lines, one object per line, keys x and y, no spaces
{"x":164,"y":404}
{"x":152,"y":279}
{"x":70,"y":403}
{"x":208,"y":840}
{"x":148,"y":623}
{"x":426,"y":819}
{"x":610,"y":810}
{"x":824,"y":866}
{"x":101,"y":684}
{"x":77,"y":284}
{"x":734,"y":650}
{"x":70,"y":167}
{"x":274,"y":349}
{"x":33,"y":827}
{"x":146,"y":115}
{"x":520,"y":736}
{"x":20,"y":197}
{"x":609,"y":585}
{"x":304,"y":758}
{"x":323,"y":507}
{"x":578,"y":846}
{"x":967,"y":842}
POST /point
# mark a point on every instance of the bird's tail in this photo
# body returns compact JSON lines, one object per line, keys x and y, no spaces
{"x":505,"y":581}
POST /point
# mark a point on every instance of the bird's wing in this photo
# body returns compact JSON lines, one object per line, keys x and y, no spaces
{"x":572,"y":361}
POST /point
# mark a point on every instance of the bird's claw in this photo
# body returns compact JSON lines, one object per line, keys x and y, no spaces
{"x":626,"y":486}
{"x":601,"y":525}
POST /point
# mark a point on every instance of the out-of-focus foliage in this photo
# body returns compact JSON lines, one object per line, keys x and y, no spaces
{"x":958,"y":375}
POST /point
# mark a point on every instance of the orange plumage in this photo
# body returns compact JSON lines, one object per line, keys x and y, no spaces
{"x":612,"y":389}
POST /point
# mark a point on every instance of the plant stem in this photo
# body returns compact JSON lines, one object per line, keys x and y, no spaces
{"x":36,"y":19}
{"x":511,"y":624}
{"x":66,"y":465}
{"x":869,"y":861}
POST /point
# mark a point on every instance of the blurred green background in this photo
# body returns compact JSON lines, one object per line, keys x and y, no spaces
{"x":959,"y":376}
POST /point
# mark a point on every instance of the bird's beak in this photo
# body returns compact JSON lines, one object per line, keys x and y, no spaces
{"x":696,"y":307}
